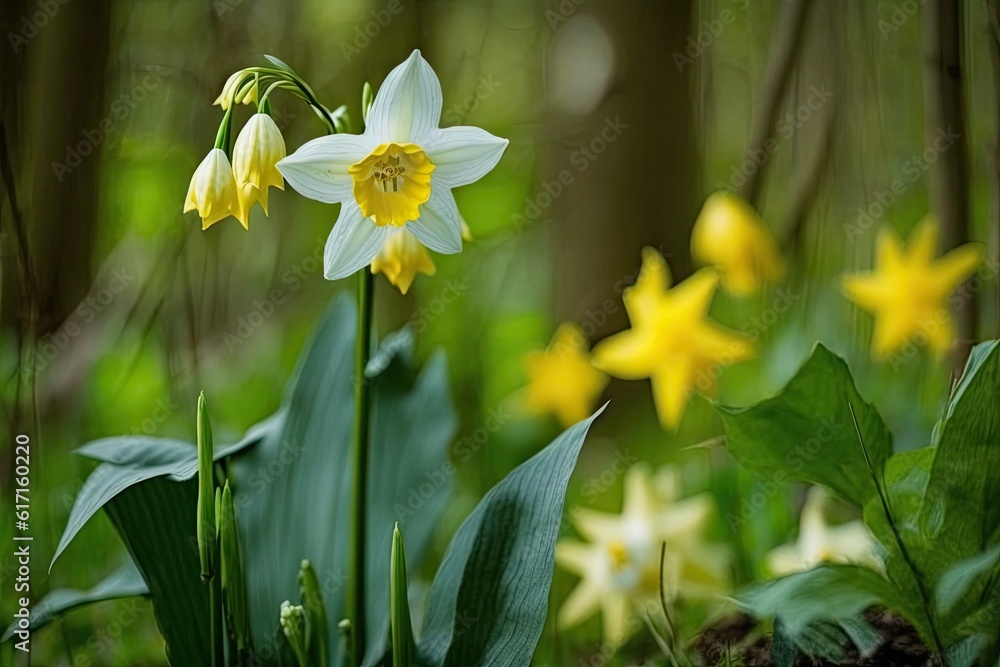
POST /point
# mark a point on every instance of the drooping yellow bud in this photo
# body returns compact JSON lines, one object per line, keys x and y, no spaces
{"x":237,"y":89}
{"x":256,"y":151}
{"x":212,"y":191}
{"x":730,"y":235}
{"x":401,"y":258}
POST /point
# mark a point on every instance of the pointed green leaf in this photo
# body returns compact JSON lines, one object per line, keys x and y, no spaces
{"x":403,"y":647}
{"x":490,"y":597}
{"x":807,"y":433}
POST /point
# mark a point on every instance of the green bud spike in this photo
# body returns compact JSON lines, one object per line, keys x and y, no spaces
{"x":231,"y":561}
{"x":206,"y":493}
{"x":367,"y":98}
{"x":316,"y":620}
{"x":403,"y":648}
{"x":292,"y":623}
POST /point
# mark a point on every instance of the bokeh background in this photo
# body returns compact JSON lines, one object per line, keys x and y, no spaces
{"x":117,"y":309}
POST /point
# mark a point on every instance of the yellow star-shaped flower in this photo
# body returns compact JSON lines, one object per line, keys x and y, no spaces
{"x":907,"y":292}
{"x":730,"y":236}
{"x":620,"y":565}
{"x":672,"y":341}
{"x":563,"y":381}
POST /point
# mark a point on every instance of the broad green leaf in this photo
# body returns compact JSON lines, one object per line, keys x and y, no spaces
{"x":156,"y":521}
{"x":807,"y":433}
{"x":125,"y":582}
{"x":130,"y":460}
{"x":826,"y":593}
{"x":961,"y":513}
{"x":293,"y":491}
{"x":489,"y":598}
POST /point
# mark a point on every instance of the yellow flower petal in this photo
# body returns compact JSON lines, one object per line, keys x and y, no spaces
{"x":908,"y":291}
{"x":729,"y":235}
{"x":563,"y":380}
{"x":401,"y":258}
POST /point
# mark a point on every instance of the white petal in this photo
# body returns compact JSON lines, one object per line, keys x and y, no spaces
{"x":407,"y":108}
{"x":353,"y":243}
{"x":463,"y":155}
{"x":439,"y":226}
{"x":318,"y":169}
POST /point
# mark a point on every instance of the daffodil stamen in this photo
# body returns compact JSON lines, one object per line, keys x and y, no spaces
{"x":392,"y":182}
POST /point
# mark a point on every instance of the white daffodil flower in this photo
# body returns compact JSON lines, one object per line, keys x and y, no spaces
{"x":398,"y":174}
{"x":819,"y":542}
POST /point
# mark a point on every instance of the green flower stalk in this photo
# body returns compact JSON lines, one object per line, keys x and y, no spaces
{"x":403,"y":647}
{"x":316,"y":620}
{"x":206,"y":493}
{"x":293,"y":618}
{"x":231,"y":568}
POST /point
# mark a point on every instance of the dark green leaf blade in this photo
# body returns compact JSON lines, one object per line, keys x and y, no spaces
{"x":807,"y":433}
{"x":489,"y":599}
{"x":293,"y":490}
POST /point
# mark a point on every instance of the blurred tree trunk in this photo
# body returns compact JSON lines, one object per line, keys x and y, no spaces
{"x":630,"y":164}
{"x":944,"y":110}
{"x":53,"y":93}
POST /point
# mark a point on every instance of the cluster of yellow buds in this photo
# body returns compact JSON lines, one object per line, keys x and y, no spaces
{"x":220,"y":188}
{"x":235,"y":176}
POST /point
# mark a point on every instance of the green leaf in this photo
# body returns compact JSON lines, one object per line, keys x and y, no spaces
{"x":293,"y":490}
{"x":489,"y":598}
{"x":807,"y":434}
{"x":130,"y":460}
{"x":403,"y":647}
{"x":960,"y":577}
{"x":125,"y":582}
{"x":960,"y":513}
{"x":156,"y":521}
{"x":826,"y":593}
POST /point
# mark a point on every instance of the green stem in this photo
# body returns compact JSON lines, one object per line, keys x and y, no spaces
{"x":218,"y":630}
{"x":359,"y":455}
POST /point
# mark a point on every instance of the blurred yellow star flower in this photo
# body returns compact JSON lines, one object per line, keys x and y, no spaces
{"x":620,"y":566}
{"x":819,"y":542}
{"x":729,"y":235}
{"x":907,"y":292}
{"x":672,"y":341}
{"x":401,"y":258}
{"x":213,"y":192}
{"x":563,"y":382}
{"x":256,"y":151}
